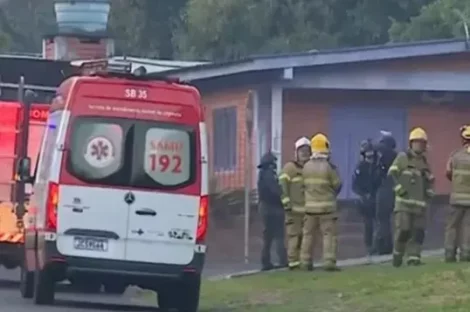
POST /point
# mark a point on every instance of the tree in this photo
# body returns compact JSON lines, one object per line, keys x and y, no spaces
{"x":224,"y":30}
{"x":25,"y":22}
{"x":438,"y":20}
{"x":145,"y":27}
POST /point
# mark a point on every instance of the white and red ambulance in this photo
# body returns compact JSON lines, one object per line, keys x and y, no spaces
{"x":120,"y":190}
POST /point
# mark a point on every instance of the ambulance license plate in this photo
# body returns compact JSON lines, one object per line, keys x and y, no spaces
{"x":90,"y":243}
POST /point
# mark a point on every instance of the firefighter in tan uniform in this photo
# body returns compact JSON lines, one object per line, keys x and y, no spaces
{"x":413,"y":190}
{"x":458,"y":219}
{"x":322,"y":184}
{"x":293,"y":199}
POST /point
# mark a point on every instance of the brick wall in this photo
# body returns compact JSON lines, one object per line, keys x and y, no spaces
{"x":74,"y":48}
{"x":228,"y":179}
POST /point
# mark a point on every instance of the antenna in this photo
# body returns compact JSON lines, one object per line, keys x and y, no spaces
{"x":465,"y":27}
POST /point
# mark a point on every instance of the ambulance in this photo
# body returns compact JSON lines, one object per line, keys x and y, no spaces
{"x":120,"y":192}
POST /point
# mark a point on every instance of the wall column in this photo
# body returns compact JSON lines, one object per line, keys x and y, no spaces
{"x":276,"y":122}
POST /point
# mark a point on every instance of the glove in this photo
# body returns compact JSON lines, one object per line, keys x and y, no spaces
{"x":400,"y":190}
{"x":286,"y":204}
{"x":430,"y":193}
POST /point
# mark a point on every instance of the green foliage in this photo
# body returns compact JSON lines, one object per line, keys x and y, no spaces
{"x":223,"y":30}
{"x":438,"y":20}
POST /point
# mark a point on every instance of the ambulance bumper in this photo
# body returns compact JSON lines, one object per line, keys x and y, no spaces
{"x":133,"y":272}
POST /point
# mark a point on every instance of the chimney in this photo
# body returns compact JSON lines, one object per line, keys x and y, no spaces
{"x":82,"y":31}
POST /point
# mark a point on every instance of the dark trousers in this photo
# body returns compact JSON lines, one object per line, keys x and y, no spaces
{"x":367,"y":211}
{"x":273,"y":232}
{"x":384,"y":211}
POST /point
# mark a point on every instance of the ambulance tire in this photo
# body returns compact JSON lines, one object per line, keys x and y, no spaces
{"x":182,"y":296}
{"x":27,"y":283}
{"x":44,"y":287}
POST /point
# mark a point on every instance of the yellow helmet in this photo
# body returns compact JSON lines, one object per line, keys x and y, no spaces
{"x":418,"y":134}
{"x":319,"y":143}
{"x":465,"y":132}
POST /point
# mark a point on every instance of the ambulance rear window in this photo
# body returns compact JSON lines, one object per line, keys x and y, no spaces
{"x":96,"y":150}
{"x":163,"y":155}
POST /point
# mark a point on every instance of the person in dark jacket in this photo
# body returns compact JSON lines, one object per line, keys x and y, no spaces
{"x":272,"y":212}
{"x":385,"y":195}
{"x":365,"y":183}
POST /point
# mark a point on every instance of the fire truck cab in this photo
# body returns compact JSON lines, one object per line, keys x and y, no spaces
{"x":120,"y":194}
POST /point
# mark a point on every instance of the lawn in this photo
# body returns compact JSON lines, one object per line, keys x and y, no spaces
{"x":433,"y":287}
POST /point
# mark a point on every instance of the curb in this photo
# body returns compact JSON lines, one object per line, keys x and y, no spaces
{"x":341,"y":263}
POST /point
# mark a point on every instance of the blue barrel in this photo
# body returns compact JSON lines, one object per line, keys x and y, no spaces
{"x":82,"y":16}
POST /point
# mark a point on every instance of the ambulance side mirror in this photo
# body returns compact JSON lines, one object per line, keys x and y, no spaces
{"x":24,"y":169}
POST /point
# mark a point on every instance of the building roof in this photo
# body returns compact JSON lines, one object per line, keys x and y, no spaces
{"x":151,"y":65}
{"x":36,"y":70}
{"x":317,"y":58}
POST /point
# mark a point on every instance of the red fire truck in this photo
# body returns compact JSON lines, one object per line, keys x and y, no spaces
{"x":22,"y":124}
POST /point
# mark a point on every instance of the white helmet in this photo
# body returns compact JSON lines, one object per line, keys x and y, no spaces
{"x":301,"y":142}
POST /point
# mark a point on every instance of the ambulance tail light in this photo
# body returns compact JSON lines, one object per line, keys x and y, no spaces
{"x":51,"y":206}
{"x":203,"y":219}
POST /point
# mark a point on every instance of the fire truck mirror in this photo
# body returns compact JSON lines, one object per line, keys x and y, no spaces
{"x":24,"y":169}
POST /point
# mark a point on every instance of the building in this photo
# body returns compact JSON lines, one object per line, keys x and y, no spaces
{"x":349,"y":94}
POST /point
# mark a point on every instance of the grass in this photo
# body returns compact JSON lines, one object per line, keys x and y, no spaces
{"x":433,"y":287}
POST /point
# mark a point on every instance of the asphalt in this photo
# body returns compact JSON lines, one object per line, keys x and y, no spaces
{"x":67,"y":300}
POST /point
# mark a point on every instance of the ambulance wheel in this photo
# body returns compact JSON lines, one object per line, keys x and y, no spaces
{"x":27,"y":283}
{"x":44,"y":287}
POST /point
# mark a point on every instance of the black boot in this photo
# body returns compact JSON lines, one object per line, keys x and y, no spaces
{"x":450,"y":256}
{"x":306,"y":267}
{"x":414,"y":262}
{"x":465,"y":256}
{"x":397,"y":260}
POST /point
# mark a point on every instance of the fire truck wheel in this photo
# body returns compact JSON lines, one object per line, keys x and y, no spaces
{"x":27,"y":284}
{"x":44,"y":287}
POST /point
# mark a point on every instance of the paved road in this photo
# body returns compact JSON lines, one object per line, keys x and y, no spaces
{"x":10,"y":299}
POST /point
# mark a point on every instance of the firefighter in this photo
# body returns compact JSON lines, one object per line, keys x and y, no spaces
{"x":365,"y":182}
{"x":321,"y":187}
{"x":458,"y":219}
{"x":385,"y":196}
{"x":413,"y":189}
{"x":293,"y":199}
{"x":271,"y":211}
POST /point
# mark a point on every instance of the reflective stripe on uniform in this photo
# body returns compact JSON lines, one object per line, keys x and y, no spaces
{"x":411,"y":201}
{"x":460,"y":198}
{"x":407,"y":172}
{"x":414,"y":258}
{"x":461,"y":195}
{"x":393,"y":168}
{"x":284,"y":176}
{"x":315,"y":181}
{"x":430,"y":192}
{"x":322,"y":204}
{"x":398,"y":188}
{"x":461,"y":171}
{"x":297,"y":179}
{"x":285,"y":200}
{"x":294,"y":264}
